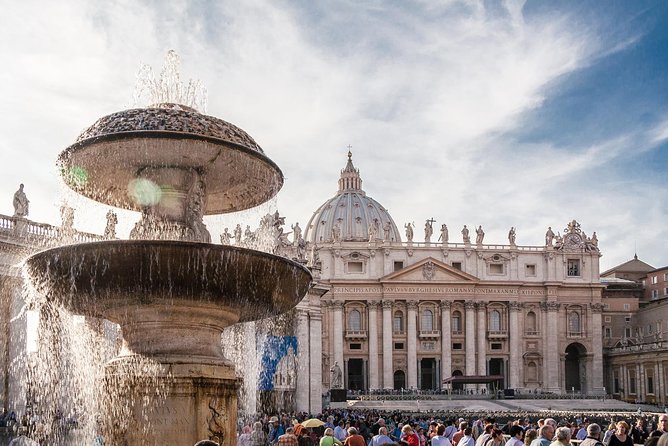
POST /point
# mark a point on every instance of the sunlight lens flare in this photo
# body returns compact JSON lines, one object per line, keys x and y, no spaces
{"x":144,"y":192}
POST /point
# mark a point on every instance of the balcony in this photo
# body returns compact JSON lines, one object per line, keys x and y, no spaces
{"x":497,"y":334}
{"x":355,"y":334}
{"x":429,"y":334}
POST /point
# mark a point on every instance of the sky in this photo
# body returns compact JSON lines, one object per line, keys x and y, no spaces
{"x":493,"y":113}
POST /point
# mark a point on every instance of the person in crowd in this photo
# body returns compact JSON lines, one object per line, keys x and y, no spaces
{"x":375,"y":427}
{"x":529,"y":436}
{"x":303,"y":437}
{"x":328,"y":438}
{"x":258,"y":436}
{"x":340,"y":431}
{"x":516,"y":432}
{"x":440,"y":439}
{"x":638,"y":432}
{"x":562,"y":436}
{"x":467,"y":439}
{"x":381,"y":438}
{"x":545,"y":435}
{"x":621,"y":436}
{"x":275,"y":430}
{"x":487,"y":432}
{"x":409,"y":436}
{"x":582,"y":432}
{"x":288,"y":438}
{"x":354,"y":438}
{"x":245,"y":439}
{"x":593,"y":437}
{"x":662,"y":427}
{"x":609,"y":433}
{"x":459,"y":434}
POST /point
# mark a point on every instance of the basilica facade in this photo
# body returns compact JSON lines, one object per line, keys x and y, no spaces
{"x":397,"y":313}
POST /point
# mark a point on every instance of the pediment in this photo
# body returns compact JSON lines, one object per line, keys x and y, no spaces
{"x":429,"y":270}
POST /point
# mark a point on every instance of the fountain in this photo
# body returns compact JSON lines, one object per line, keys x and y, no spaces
{"x":171,"y":291}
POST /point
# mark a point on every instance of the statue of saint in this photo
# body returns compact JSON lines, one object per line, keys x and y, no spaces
{"x":20,"y":203}
{"x":594,"y":239}
{"x":428,"y":230}
{"x":465,"y":235}
{"x":110,"y":229}
{"x":225,"y":237}
{"x":480,"y":235}
{"x":237,"y":234}
{"x":387,"y":227}
{"x":549,"y":236}
{"x":409,"y":231}
{"x":336,"y":232}
{"x":444,"y":234}
{"x":296,"y":233}
{"x":336,"y":382}
{"x":511,"y":236}
{"x":373,"y":229}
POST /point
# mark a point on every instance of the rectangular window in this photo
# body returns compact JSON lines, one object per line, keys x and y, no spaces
{"x":665,"y":291}
{"x":632,"y":383}
{"x":650,"y":384}
{"x":627,"y":319}
{"x":573,"y":268}
{"x":496,"y":268}
{"x":627,"y":332}
{"x":398,"y":266}
{"x":398,"y":345}
{"x":665,"y":276}
{"x":608,"y":319}
{"x":497,"y":346}
{"x":655,"y":280}
{"x":655,"y":294}
{"x":530,"y":270}
{"x":615,"y":384}
{"x":457,"y":346}
{"x":627,"y":307}
{"x":608,"y":332}
{"x":457,"y":265}
{"x":355,"y":346}
{"x":355,"y":267}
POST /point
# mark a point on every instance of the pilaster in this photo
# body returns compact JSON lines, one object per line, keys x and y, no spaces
{"x":446,"y":340}
{"x":373,"y":344}
{"x":411,"y":340}
{"x":388,"y":376}
{"x":515,"y":345}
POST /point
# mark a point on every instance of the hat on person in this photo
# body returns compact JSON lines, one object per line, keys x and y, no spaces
{"x":298,"y":429}
{"x":273,"y":419}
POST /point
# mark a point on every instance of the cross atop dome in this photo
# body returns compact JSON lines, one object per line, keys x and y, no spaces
{"x":350,"y":177}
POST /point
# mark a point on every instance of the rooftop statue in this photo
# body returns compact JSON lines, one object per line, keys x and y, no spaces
{"x":465,"y":235}
{"x":21,"y":203}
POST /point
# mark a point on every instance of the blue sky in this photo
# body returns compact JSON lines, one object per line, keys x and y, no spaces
{"x":526,"y":114}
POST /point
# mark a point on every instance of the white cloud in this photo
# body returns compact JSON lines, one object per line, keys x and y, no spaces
{"x":423,"y":92}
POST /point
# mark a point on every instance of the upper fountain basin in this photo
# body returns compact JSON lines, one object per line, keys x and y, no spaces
{"x":114,"y":151}
{"x":98,"y":278}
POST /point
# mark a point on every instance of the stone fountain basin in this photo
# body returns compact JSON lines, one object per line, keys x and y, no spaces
{"x":103,"y":167}
{"x":92,"y":278}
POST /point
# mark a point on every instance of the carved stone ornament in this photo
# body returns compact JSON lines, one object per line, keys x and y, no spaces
{"x":552,"y":306}
{"x":373,"y":305}
{"x":468,"y":252}
{"x":387,"y":251}
{"x":596,"y":307}
{"x":428,"y":270}
{"x":387,"y":304}
{"x":575,"y":239}
{"x":445,"y":253}
{"x":514,"y":306}
{"x":337,"y":305}
{"x":481,"y":306}
{"x":410,"y":253}
{"x":469,"y":305}
{"x":412,"y":305}
{"x":217,"y":420}
{"x":445,"y":304}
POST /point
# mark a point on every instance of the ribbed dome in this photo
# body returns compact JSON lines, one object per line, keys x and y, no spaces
{"x":353,"y":211}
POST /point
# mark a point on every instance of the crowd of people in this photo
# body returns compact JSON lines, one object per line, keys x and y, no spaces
{"x":374,"y":428}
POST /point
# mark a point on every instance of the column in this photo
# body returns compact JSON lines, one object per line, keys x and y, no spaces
{"x":446,"y":341}
{"x":373,"y":345}
{"x":303,"y":372}
{"x":482,"y":338}
{"x":515,"y":345}
{"x":388,"y":376}
{"x":470,"y":338}
{"x":337,"y":335}
{"x":552,"y":352}
{"x":597,"y":345}
{"x":660,"y":383}
{"x":315,"y":346}
{"x":544,"y":335}
{"x":411,"y":347}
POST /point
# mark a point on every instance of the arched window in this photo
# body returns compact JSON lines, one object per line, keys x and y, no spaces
{"x":398,"y":322}
{"x":494,"y":320}
{"x":532,"y":372}
{"x":456,"y":322}
{"x":530,"y":323}
{"x":354,"y":321}
{"x":574,"y":322}
{"x":427,"y":320}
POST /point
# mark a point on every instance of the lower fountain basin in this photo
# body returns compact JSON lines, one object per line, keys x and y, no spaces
{"x":98,"y":279}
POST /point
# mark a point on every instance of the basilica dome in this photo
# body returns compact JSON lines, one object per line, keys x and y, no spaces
{"x":351,"y":215}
